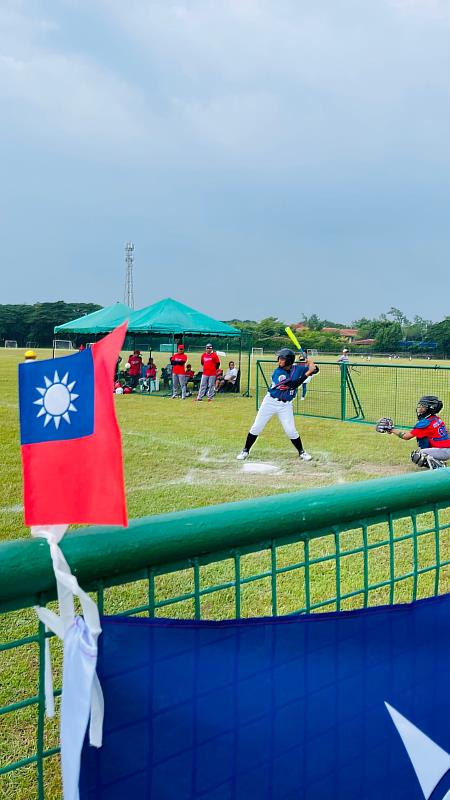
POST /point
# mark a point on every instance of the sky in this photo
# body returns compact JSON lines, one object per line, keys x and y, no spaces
{"x":265,"y":157}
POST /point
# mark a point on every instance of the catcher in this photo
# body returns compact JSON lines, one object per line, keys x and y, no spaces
{"x":430,"y":431}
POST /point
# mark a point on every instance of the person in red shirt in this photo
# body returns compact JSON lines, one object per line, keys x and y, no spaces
{"x":135,"y":362}
{"x":210,"y":362}
{"x":431,"y":433}
{"x":178,"y":361}
{"x":150,"y":375}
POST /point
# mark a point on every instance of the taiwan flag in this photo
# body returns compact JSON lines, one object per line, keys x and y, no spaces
{"x":70,"y":438}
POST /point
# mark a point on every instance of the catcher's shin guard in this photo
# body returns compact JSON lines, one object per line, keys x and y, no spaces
{"x":419,"y":458}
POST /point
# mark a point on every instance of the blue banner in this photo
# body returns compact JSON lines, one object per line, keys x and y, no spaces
{"x":338,"y":706}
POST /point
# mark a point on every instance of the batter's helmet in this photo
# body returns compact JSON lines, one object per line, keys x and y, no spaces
{"x":288,"y":355}
{"x":430,"y":405}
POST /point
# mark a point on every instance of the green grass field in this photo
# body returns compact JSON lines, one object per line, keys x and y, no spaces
{"x":183,"y":455}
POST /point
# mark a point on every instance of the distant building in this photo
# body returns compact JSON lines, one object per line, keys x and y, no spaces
{"x":346,"y":333}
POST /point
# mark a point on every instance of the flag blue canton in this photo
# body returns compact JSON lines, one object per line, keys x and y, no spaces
{"x":56,"y":399}
{"x":349,"y":706}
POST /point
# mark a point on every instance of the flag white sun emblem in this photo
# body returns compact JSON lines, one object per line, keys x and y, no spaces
{"x":56,"y":399}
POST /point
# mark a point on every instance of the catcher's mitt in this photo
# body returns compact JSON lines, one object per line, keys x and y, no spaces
{"x":384,"y":425}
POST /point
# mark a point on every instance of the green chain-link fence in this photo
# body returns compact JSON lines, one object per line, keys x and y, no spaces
{"x":364,"y":392}
{"x":370,"y":543}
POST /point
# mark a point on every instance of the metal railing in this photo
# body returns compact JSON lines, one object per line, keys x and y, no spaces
{"x":369,"y":543}
{"x":363,"y":392}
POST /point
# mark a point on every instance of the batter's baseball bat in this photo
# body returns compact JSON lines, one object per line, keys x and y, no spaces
{"x":293,"y":338}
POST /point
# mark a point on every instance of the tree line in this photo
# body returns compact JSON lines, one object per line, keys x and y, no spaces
{"x":391,"y":331}
{"x":35,"y":323}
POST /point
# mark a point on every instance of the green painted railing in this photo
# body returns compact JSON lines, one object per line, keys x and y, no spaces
{"x":335,"y":548}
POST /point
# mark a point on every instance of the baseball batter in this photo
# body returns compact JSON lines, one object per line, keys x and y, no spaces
{"x":285,"y":381}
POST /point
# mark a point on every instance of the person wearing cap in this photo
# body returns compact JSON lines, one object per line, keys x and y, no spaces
{"x":178,"y":361}
{"x":344,"y":359}
{"x":210,"y":362}
{"x":30,"y":356}
{"x":135,"y":362}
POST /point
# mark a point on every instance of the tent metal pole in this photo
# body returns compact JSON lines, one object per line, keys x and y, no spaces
{"x":173,"y":351}
{"x":249,"y":368}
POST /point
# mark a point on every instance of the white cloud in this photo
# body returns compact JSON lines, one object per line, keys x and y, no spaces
{"x":279,"y":76}
{"x":59,"y":96}
{"x":272,"y":81}
{"x":427,"y":8}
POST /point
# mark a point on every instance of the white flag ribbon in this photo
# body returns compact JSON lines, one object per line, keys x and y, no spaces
{"x":82,"y":697}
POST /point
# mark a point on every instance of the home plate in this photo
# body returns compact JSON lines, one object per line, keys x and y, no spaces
{"x":260,"y":466}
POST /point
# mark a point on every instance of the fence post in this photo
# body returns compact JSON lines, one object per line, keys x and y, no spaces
{"x":343,"y":368}
{"x":257,"y":385}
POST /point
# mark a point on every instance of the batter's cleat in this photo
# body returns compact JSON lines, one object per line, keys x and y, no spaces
{"x":305,"y":456}
{"x":242,"y":455}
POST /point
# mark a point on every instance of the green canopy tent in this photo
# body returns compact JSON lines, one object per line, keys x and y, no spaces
{"x":170,"y":318}
{"x":101,"y":321}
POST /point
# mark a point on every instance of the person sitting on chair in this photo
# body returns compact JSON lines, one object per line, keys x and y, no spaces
{"x":219,"y":378}
{"x":166,"y":375}
{"x":150,"y":375}
{"x":228,"y":380}
{"x":189,"y":377}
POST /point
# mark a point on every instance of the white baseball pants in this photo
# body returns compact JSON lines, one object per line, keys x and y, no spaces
{"x":284,"y":412}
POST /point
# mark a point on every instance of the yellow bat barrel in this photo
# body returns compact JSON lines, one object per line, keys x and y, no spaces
{"x":293,"y":338}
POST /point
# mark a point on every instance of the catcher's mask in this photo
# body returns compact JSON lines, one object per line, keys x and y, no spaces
{"x":288,"y":355}
{"x":428,"y":405}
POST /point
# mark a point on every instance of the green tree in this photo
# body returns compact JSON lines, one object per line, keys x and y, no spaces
{"x":270,"y":326}
{"x":388,"y":337}
{"x":36,"y":322}
{"x":398,"y":316}
{"x":440,"y":333}
{"x":313,"y":322}
{"x":417,"y":329}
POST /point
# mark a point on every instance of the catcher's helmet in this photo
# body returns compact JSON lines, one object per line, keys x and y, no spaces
{"x":428,"y":405}
{"x":288,"y":355}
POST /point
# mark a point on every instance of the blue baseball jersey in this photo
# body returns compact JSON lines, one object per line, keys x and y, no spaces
{"x":292,"y":377}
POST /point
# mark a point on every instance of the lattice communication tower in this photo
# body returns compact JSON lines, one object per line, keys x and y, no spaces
{"x":128,"y":297}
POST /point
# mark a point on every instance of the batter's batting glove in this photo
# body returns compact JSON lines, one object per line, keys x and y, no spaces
{"x":384,"y":425}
